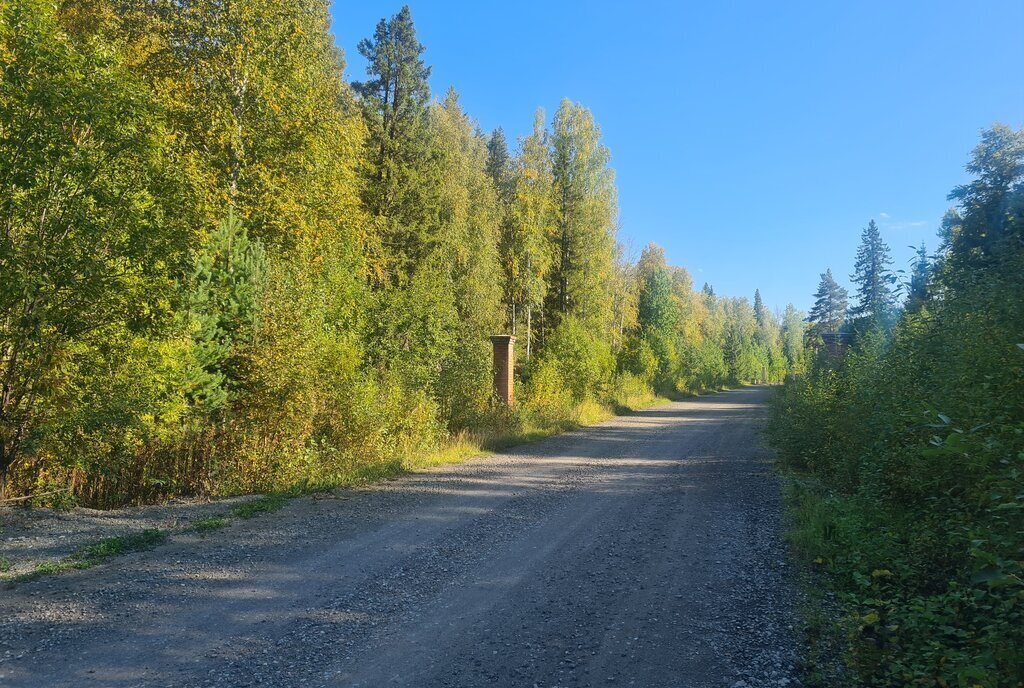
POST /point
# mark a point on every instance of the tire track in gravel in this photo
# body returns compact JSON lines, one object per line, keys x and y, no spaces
{"x":643,"y":551}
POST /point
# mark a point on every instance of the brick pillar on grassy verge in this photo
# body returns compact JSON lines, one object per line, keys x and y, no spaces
{"x":504,"y":366}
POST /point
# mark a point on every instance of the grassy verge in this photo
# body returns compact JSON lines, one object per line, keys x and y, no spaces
{"x":458,"y":448}
{"x":97,"y":553}
{"x":825,"y":639}
{"x":469,"y":444}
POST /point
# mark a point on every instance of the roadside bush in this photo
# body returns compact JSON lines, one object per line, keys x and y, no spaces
{"x":909,"y":457}
{"x":584,"y":361}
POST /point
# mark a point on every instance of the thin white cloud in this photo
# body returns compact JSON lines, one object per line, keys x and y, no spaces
{"x":913,"y":224}
{"x":885,"y":219}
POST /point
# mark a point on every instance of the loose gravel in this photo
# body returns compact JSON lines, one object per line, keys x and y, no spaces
{"x":644,"y":551}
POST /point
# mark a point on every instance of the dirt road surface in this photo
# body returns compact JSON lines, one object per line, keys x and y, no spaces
{"x":645,"y":551}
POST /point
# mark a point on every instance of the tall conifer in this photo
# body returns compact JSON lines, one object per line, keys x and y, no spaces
{"x":873,"y":277}
{"x":829,"y":310}
{"x":585,"y":209}
{"x":394,"y":99}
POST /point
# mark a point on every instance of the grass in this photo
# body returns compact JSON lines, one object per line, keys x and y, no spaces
{"x":469,"y":444}
{"x":812,"y":532}
{"x":98,"y":552}
{"x":206,"y":526}
{"x":114,"y":546}
{"x":261,"y":505}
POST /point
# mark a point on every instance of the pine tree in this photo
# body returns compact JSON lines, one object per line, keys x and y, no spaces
{"x":394,"y":99}
{"x":873,"y":277}
{"x":829,"y":310}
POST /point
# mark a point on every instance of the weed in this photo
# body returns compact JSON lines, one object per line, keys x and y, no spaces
{"x":208,"y":525}
{"x":114,"y":546}
{"x":93,"y":554}
{"x":260,"y":505}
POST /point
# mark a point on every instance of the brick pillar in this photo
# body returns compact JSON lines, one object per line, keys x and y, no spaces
{"x":504,"y":366}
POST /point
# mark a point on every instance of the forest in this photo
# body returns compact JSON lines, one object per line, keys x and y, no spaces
{"x":226,"y":268}
{"x":904,"y":443}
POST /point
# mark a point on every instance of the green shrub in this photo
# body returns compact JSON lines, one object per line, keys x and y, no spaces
{"x":910,"y":457}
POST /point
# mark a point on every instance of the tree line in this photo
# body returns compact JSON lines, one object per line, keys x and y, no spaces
{"x":904,"y":440}
{"x":225,"y":268}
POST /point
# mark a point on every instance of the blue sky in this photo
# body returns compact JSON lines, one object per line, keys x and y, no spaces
{"x":752,"y":140}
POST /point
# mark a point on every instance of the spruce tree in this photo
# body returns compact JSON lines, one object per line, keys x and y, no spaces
{"x":585,"y":213}
{"x":760,"y":312}
{"x":499,"y":165}
{"x":873,"y":277}
{"x":499,"y":169}
{"x":766,"y":327}
{"x":918,"y":288}
{"x":829,"y":310}
{"x":223,"y":308}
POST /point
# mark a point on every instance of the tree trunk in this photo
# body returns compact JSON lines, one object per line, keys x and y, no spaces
{"x":6,"y":460}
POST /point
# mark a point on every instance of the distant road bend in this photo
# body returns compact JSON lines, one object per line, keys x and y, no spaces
{"x":645,"y":551}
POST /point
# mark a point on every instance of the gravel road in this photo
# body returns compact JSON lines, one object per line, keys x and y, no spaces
{"x":645,"y":551}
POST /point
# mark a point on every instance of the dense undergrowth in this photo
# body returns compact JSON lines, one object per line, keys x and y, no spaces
{"x":906,"y":461}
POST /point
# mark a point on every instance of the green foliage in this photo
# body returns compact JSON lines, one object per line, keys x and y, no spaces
{"x":394,"y":103}
{"x":583,"y":244}
{"x":223,"y":307}
{"x":83,"y":221}
{"x":909,"y":452}
{"x":226,"y":272}
{"x":793,"y":333}
{"x":989,"y":223}
{"x":920,"y":277}
{"x":584,"y":362}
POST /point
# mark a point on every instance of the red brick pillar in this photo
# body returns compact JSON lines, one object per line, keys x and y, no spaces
{"x":504,"y":366}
